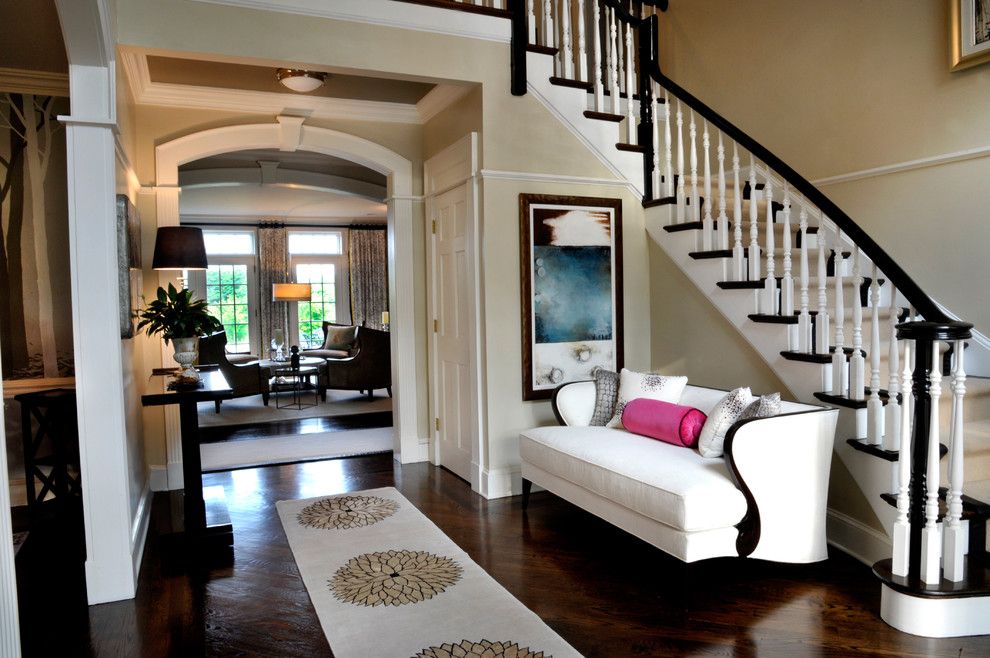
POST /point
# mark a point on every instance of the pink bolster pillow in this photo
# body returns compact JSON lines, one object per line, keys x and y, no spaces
{"x":664,"y":421}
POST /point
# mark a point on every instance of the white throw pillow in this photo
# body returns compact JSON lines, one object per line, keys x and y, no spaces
{"x":725,"y":413}
{"x":633,"y":385}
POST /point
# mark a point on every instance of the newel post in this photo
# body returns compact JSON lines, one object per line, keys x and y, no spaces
{"x":648,"y":28}
{"x":520,"y":39}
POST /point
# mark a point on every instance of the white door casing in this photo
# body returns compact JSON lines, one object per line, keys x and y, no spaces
{"x":456,"y":355}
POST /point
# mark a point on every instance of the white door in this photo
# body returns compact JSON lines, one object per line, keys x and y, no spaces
{"x":453,"y":326}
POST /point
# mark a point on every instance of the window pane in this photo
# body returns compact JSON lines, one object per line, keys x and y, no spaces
{"x":228,"y":243}
{"x":321,"y":306}
{"x":229,"y":303}
{"x":315,"y":243}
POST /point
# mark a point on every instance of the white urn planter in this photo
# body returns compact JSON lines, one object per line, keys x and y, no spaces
{"x":186,"y":351}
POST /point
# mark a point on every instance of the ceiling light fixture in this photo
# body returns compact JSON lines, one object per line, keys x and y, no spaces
{"x":299,"y":80}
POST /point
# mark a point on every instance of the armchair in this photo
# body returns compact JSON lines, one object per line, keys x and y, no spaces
{"x":246,"y":379}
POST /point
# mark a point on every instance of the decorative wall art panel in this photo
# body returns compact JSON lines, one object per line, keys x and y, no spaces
{"x":571,"y":262}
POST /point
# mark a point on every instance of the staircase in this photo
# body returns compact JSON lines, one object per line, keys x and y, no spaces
{"x":836,"y":318}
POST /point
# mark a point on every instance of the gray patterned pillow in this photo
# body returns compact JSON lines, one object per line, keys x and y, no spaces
{"x":762,"y":407}
{"x":606,"y":393}
{"x":725,"y":413}
{"x":340,"y":337}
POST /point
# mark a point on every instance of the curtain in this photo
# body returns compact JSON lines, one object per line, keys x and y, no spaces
{"x":273,"y":256}
{"x":368,"y":264}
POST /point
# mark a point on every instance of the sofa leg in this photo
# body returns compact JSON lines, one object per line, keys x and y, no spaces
{"x":216,"y":404}
{"x":371,"y":394}
{"x":388,"y":389}
{"x":527,"y":487}
{"x":265,"y":397}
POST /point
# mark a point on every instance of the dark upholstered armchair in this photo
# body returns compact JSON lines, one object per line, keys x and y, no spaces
{"x":247,"y":379}
{"x":365,"y":367}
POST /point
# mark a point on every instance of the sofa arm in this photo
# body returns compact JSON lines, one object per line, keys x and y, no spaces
{"x":574,"y":403}
{"x":782,"y":464}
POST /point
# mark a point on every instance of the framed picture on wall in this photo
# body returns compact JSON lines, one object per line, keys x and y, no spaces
{"x":128,"y":263}
{"x":571,"y":261}
{"x":970,"y":25}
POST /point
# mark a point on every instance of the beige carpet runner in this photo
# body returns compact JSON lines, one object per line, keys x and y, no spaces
{"x":387,"y":583}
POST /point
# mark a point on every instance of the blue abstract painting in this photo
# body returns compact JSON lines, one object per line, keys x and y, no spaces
{"x":572,"y":293}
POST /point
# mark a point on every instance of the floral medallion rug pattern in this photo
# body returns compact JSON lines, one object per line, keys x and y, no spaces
{"x":387,"y":583}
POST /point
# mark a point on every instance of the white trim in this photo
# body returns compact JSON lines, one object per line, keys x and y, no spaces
{"x":538,"y":177}
{"x":25,"y":81}
{"x":935,"y":617}
{"x":10,"y":643}
{"x":390,"y":14}
{"x":415,"y":198}
{"x":438,"y":99}
{"x":139,"y":528}
{"x":147,"y":92}
{"x":158,"y":477}
{"x":283,"y":178}
{"x":907,"y":165}
{"x":851,"y":536}
{"x":501,"y":482}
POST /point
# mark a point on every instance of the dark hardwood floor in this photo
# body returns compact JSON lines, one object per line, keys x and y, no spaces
{"x":604,"y":591}
{"x":296,"y":426}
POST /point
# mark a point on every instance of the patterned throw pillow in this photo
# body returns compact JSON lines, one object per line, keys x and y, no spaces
{"x":340,"y":338}
{"x":762,"y":407}
{"x":647,"y":385}
{"x":606,"y":395}
{"x":721,"y":418}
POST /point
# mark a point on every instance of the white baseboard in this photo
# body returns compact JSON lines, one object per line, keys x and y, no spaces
{"x":501,"y":482}
{"x":18,"y":492}
{"x":421,"y":453}
{"x":139,"y":528}
{"x":866,"y":544}
{"x":158,"y":477}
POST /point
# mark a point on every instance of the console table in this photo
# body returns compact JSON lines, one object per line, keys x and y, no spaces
{"x":196,"y":520}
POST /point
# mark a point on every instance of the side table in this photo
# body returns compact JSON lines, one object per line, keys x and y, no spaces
{"x":51,"y":454}
{"x":297,"y":383}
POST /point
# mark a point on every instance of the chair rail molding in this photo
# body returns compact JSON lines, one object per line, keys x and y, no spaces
{"x":907,"y":165}
{"x":290,"y":133}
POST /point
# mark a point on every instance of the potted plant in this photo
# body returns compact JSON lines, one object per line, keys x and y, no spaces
{"x":181,"y":319}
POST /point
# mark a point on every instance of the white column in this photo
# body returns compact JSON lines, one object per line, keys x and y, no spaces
{"x":804,"y":319}
{"x":931,"y":541}
{"x":738,"y":252}
{"x":167,"y":211}
{"x":840,"y":383}
{"x":956,"y":532}
{"x":707,"y":228}
{"x":754,"y":230}
{"x":902,"y":526}
{"x":10,"y":639}
{"x":769,"y":305}
{"x":892,"y":423}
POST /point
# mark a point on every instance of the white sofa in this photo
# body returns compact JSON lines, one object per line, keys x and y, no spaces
{"x":766,"y":499}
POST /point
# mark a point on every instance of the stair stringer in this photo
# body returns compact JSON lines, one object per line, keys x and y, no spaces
{"x":872,"y":475}
{"x":568,"y":104}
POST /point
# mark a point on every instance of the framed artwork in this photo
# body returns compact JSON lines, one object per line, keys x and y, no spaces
{"x":571,"y":261}
{"x":128,"y":263}
{"x":970,"y":25}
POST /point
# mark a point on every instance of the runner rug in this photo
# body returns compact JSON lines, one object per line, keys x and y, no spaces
{"x":387,"y":583}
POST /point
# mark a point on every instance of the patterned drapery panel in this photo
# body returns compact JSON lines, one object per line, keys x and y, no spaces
{"x":273,"y":254}
{"x":368,"y":257}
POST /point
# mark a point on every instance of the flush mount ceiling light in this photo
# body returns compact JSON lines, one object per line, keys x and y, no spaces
{"x":299,"y":80}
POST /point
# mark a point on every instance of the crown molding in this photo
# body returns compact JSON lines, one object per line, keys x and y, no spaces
{"x":290,"y":178}
{"x":41,"y":83}
{"x":147,"y":92}
{"x":438,"y":99}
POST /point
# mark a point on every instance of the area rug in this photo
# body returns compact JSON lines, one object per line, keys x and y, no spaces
{"x":387,"y":583}
{"x":251,"y":409}
{"x":291,"y":449}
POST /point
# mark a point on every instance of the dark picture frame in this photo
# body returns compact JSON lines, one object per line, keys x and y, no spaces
{"x":128,"y":263}
{"x":571,"y":283}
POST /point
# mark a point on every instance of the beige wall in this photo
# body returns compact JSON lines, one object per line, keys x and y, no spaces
{"x":843,"y":86}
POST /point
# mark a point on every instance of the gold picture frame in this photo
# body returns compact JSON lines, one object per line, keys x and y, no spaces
{"x":969,"y":22}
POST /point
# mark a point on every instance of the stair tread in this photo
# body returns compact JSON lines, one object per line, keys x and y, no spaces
{"x":689,"y":226}
{"x":544,"y":50}
{"x":888,"y":455}
{"x":767,"y":318}
{"x":635,"y":148}
{"x":603,"y":116}
{"x":847,"y":402}
{"x":976,"y":583}
{"x":973,"y":509}
{"x":568,"y":82}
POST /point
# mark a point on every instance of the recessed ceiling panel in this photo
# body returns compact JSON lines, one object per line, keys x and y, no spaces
{"x":268,"y":202}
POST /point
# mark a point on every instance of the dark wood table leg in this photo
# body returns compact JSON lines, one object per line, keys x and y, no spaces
{"x":192,"y":469}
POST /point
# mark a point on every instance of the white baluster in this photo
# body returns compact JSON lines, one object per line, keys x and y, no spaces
{"x":738,"y":252}
{"x":857,"y":364}
{"x":695,"y":200}
{"x":822,"y":319}
{"x":681,"y":185}
{"x":631,"y":136}
{"x":613,"y":63}
{"x":549,"y":35}
{"x":565,"y":53}
{"x":839,"y":373}
{"x":804,"y":319}
{"x":531,"y":20}
{"x":787,"y":281}
{"x":596,"y":53}
{"x":668,"y":147}
{"x":769,"y":305}
{"x":656,"y":139}
{"x":874,"y":408}
{"x":902,"y":526}
{"x":931,"y":542}
{"x":754,"y":230}
{"x":723,"y":219}
{"x":707,"y":228}
{"x":582,"y":50}
{"x":956,"y":532}
{"x":892,"y":424}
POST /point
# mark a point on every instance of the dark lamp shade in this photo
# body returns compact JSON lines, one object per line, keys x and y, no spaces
{"x":179,"y":248}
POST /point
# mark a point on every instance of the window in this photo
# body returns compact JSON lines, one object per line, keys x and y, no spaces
{"x":229,"y":243}
{"x":227,"y":296}
{"x":317,"y":259}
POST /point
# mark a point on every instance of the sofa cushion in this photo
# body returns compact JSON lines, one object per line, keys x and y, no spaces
{"x":340,"y":338}
{"x":606,"y":395}
{"x":663,"y":482}
{"x":762,"y":407}
{"x":665,"y":421}
{"x":721,"y":418}
{"x":648,"y":385}
{"x":327,"y":354}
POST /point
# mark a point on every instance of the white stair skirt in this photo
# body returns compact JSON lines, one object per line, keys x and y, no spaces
{"x":935,"y":617}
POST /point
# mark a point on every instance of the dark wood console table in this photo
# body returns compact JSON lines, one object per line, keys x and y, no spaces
{"x":196,"y":520}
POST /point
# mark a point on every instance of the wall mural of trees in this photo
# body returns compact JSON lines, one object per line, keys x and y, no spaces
{"x":35,"y":302}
